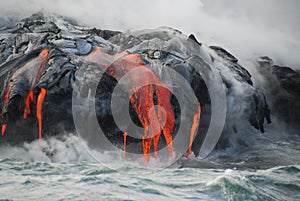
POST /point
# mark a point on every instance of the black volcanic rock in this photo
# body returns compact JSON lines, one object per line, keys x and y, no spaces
{"x":288,"y":78}
{"x":283,"y":87}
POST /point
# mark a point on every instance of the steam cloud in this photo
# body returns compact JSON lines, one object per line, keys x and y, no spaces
{"x":246,"y":28}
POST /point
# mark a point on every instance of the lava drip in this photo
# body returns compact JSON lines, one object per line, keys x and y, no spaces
{"x":4,"y":126}
{"x":142,"y":102}
{"x":39,"y":114}
{"x":28,"y":99}
{"x":125,"y":138}
{"x":6,"y":96}
{"x":163,"y":99}
{"x":146,"y":143}
{"x":194,"y":129}
{"x":44,"y":56}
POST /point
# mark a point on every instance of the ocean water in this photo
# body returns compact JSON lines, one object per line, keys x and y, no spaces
{"x":61,"y":169}
{"x":91,"y":181}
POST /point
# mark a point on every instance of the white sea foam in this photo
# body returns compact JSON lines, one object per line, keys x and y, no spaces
{"x":65,"y":148}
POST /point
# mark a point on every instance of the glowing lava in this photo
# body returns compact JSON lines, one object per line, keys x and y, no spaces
{"x":125,"y":138}
{"x":194,"y":129}
{"x":28,"y":99}
{"x":4,"y":126}
{"x":142,"y":99}
{"x":6,"y":96}
{"x":43,"y":56}
{"x":39,"y":106}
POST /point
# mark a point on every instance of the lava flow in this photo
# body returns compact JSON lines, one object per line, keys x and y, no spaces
{"x":39,"y":106}
{"x":194,"y":129}
{"x":142,"y":99}
{"x":28,"y":99}
{"x":125,"y":138}
{"x":36,"y":66}
{"x":4,"y":126}
{"x":6,"y":96}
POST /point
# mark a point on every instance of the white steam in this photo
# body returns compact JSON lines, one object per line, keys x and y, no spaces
{"x":246,"y":28}
{"x":67,"y":148}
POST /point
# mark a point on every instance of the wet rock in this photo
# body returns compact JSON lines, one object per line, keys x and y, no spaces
{"x":224,"y":53}
{"x":288,"y":78}
{"x":283,"y":88}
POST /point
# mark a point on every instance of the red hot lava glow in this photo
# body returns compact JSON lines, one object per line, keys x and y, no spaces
{"x":142,"y":99}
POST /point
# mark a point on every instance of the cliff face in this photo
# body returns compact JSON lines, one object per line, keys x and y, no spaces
{"x":45,"y":61}
{"x":283,"y":88}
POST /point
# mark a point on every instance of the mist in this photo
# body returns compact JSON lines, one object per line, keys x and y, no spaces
{"x":248,"y":29}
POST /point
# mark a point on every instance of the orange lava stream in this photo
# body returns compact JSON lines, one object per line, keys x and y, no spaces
{"x":194,"y":129}
{"x":39,"y":114}
{"x":163,"y":97}
{"x":28,"y":99}
{"x":125,"y":138}
{"x":43,"y":55}
{"x":146,"y":143}
{"x":4,"y":126}
{"x":6,"y":96}
{"x":142,"y":99}
{"x":155,"y":145}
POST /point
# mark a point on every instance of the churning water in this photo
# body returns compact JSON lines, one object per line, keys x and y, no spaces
{"x":61,"y":169}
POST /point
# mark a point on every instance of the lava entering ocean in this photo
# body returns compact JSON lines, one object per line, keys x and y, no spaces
{"x":142,"y":99}
{"x":41,"y":60}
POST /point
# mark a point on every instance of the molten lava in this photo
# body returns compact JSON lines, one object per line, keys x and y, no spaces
{"x":125,"y":138}
{"x":28,"y":99}
{"x":194,"y":129}
{"x":143,"y":100}
{"x":6,"y":96}
{"x":4,"y":126}
{"x":43,"y":56}
{"x":39,"y":106}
